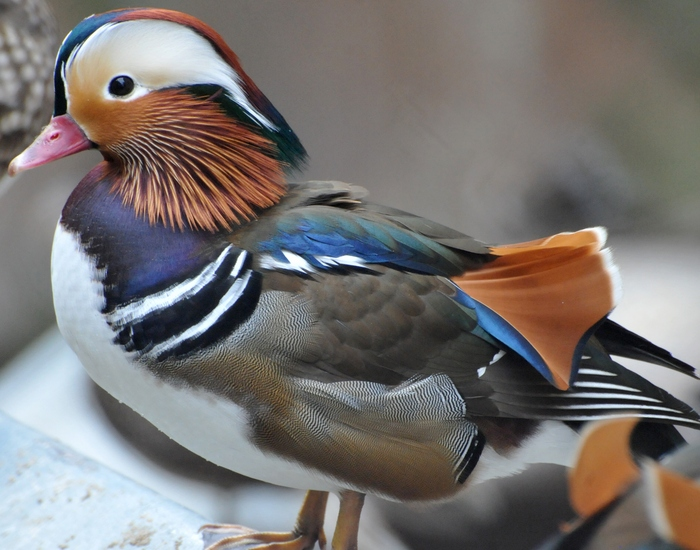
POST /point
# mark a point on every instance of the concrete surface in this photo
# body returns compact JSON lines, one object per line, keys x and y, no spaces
{"x":52,"y":497}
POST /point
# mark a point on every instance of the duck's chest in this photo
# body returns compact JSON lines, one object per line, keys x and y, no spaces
{"x":130,"y":298}
{"x":79,"y":303}
{"x":149,"y":290}
{"x":105,"y":260}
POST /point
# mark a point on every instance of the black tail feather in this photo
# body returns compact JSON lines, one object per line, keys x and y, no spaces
{"x":655,"y":440}
{"x":617,"y":340}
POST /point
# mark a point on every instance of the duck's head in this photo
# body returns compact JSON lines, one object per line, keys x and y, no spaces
{"x":187,"y":137}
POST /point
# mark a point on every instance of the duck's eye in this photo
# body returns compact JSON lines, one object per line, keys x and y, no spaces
{"x":121,"y":86}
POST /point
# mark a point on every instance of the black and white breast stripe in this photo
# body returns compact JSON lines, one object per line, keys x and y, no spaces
{"x":191,"y":314}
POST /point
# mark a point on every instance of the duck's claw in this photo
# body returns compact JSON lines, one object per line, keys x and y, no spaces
{"x":238,"y":537}
{"x":307,"y":532}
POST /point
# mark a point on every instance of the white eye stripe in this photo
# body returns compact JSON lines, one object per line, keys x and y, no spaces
{"x":138,"y":91}
{"x":157,"y":54}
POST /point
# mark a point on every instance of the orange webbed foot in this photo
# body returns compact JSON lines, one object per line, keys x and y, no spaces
{"x":238,"y":537}
{"x":307,"y":532}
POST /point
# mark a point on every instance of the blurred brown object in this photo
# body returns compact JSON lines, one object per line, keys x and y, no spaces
{"x":28,"y":44}
{"x":629,"y":503}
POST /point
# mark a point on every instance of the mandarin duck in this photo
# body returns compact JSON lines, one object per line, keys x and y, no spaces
{"x":296,"y":332}
{"x":28,"y":38}
{"x":630,"y":502}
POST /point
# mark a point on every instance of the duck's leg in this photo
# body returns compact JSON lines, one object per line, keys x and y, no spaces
{"x":307,"y":531}
{"x":345,"y":536}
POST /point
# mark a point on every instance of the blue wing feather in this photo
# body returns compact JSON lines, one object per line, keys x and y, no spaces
{"x":322,"y":232}
{"x":504,"y":332}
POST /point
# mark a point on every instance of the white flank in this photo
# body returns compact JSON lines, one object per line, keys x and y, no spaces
{"x":553,"y":443}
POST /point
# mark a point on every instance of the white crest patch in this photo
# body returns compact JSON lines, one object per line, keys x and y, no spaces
{"x":156,"y":55}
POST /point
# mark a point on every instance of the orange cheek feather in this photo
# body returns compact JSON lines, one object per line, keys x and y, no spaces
{"x":104,"y":122}
{"x":178,"y":159}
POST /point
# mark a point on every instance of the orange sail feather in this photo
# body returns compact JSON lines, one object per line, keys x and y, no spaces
{"x":552,"y":291}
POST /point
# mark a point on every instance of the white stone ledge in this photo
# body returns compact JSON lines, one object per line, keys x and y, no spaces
{"x":53,"y":498}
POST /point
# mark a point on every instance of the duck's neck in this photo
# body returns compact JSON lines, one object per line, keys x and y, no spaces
{"x":186,"y":163}
{"x":135,"y":257}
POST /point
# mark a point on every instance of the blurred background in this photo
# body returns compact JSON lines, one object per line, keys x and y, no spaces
{"x":505,"y":119}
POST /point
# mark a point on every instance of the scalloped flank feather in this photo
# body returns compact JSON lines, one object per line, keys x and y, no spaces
{"x":551,"y":293}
